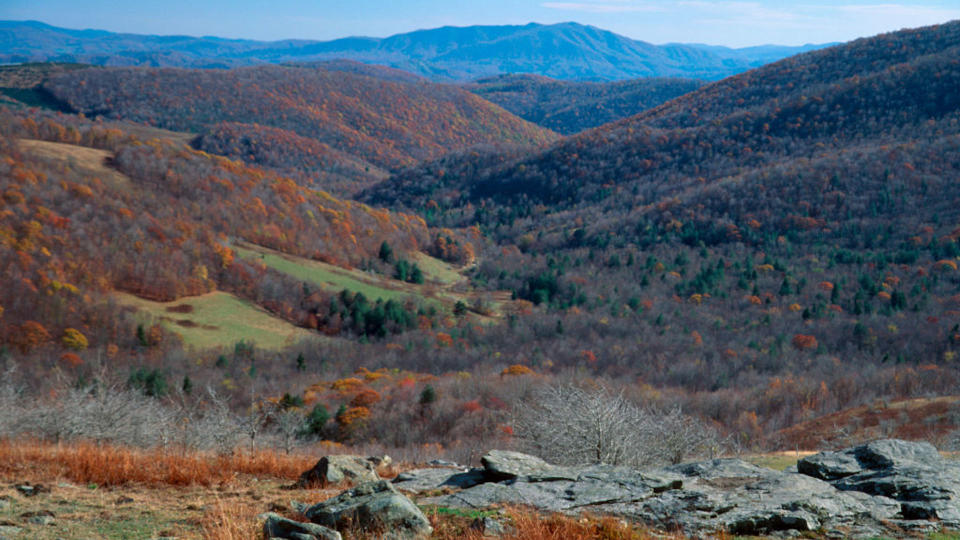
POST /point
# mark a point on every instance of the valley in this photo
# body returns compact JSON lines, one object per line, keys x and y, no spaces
{"x":234,"y":262}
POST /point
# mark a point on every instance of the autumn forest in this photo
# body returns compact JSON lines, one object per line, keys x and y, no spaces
{"x":361,"y":248}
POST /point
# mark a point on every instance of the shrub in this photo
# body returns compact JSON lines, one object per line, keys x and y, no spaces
{"x":571,"y":425}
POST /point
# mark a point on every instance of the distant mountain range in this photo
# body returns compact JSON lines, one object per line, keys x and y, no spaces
{"x":567,"y":51}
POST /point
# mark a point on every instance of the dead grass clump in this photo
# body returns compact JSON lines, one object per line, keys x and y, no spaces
{"x":181,"y":308}
{"x":532,"y":526}
{"x":526,"y":524}
{"x":266,"y":463}
{"x":106,"y":465}
{"x":236,"y":520}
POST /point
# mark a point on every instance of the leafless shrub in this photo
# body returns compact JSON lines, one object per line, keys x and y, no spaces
{"x":210,"y":425}
{"x":571,"y":425}
{"x":11,"y":404}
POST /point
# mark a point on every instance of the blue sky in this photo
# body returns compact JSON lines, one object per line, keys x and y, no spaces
{"x":720,"y":22}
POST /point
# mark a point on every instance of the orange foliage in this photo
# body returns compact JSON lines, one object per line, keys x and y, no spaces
{"x":945,"y":264}
{"x":29,"y":336}
{"x":348,"y":384}
{"x":71,"y":360}
{"x":365,"y":398}
{"x":516,"y":369}
{"x":472,"y":406}
{"x":804,"y":342}
{"x":444,"y":339}
{"x":353,"y":415}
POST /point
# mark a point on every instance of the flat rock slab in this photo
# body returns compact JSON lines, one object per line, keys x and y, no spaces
{"x":879,"y":488}
{"x":438,"y":478}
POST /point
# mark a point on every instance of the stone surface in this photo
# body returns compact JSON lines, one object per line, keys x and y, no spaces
{"x":28,"y":490}
{"x":438,"y":478}
{"x":506,"y":465}
{"x":336,"y":469}
{"x":380,"y":461}
{"x":374,"y":508}
{"x":912,"y":475}
{"x":829,"y":465}
{"x":41,"y":520}
{"x":277,"y":526}
{"x":875,"y":489}
{"x":488,"y":526}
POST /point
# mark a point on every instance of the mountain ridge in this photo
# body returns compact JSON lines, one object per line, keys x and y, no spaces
{"x":450,"y":53}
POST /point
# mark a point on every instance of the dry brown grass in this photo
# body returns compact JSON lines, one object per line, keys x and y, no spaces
{"x":90,"y":160}
{"x":106,"y":465}
{"x":530,"y":524}
{"x":231,"y":521}
{"x":199,"y":495}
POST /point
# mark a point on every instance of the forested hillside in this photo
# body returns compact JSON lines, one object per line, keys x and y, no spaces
{"x":760,"y":129}
{"x":570,"y":107}
{"x":88,"y":209}
{"x":278,"y":116}
{"x":762,"y":251}
{"x":792,"y":230}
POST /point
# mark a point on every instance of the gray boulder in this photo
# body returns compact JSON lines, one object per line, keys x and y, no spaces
{"x":374,"y":508}
{"x":912,"y":475}
{"x":506,"y":465}
{"x":829,"y":465}
{"x":488,"y":526}
{"x":277,"y":526}
{"x":336,"y":469}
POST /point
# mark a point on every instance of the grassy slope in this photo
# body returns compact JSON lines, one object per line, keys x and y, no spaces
{"x":89,"y":160}
{"x":327,"y":276}
{"x":445,"y":285}
{"x":920,"y":418}
{"x":220,"y":319}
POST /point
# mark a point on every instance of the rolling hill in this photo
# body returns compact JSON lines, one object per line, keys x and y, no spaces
{"x":760,"y":252}
{"x":570,"y":107}
{"x":772,"y":247}
{"x":841,"y":130}
{"x":329,"y":126}
{"x":562,"y":51}
{"x":88,"y":209}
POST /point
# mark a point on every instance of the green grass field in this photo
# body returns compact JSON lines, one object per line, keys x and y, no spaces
{"x":438,"y":291}
{"x":436,"y":270}
{"x":329,"y":277}
{"x":219,"y":319}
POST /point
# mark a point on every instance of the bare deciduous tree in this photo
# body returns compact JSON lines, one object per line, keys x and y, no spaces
{"x":572,"y":425}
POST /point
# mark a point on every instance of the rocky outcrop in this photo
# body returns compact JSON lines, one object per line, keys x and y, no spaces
{"x":374,"y":508}
{"x":336,"y":469}
{"x":277,"y":526}
{"x":912,"y":475}
{"x":885,"y":487}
